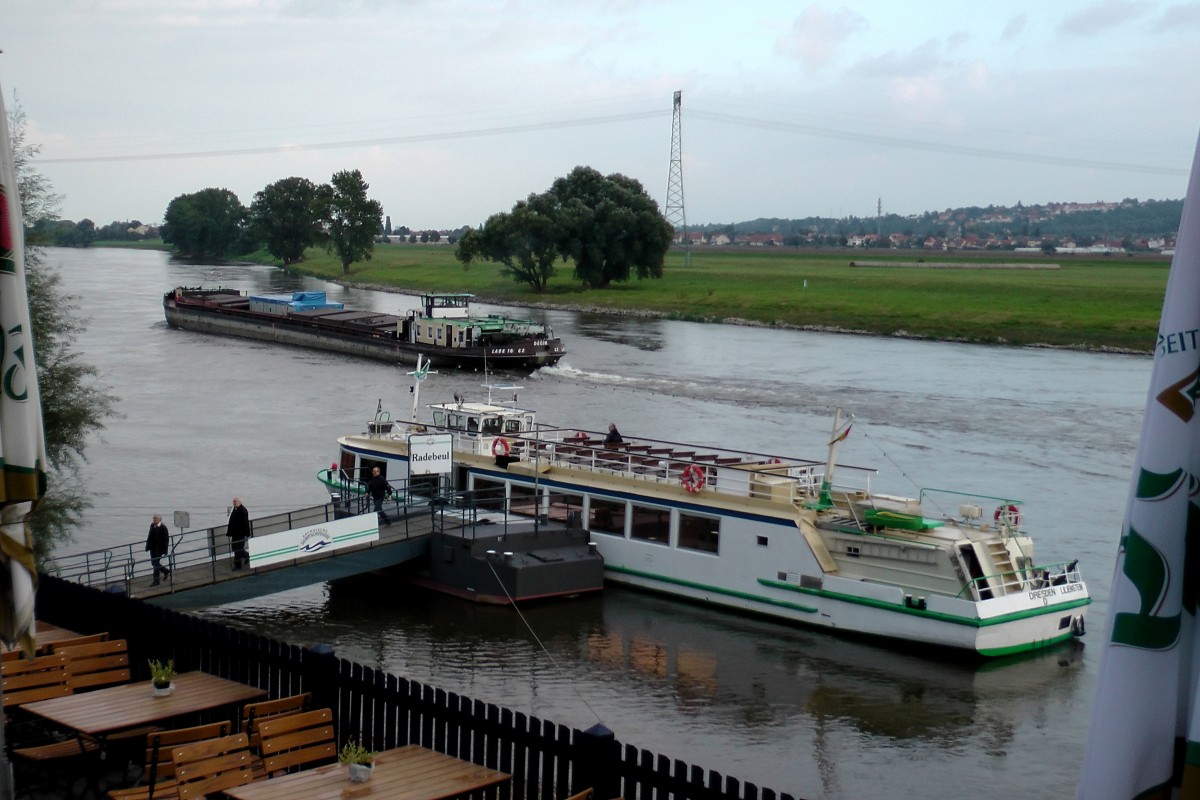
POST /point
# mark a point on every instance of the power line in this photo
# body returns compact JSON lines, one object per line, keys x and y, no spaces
{"x":841,"y":134}
{"x":937,"y":147}
{"x":423,"y":137}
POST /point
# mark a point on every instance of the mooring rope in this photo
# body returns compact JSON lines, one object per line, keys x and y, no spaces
{"x":540,"y":644}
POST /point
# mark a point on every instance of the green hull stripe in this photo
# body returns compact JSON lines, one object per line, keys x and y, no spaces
{"x":713,"y":589}
{"x":998,"y":652}
{"x":892,"y":607}
{"x":935,"y":615}
{"x":994,"y":652}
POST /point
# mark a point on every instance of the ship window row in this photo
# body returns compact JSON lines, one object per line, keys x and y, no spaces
{"x":645,"y":523}
{"x":490,"y":426}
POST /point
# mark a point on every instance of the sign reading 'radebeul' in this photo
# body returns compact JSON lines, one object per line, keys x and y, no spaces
{"x":430,"y":454}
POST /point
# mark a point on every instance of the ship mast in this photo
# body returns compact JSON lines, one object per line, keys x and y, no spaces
{"x":841,"y":429}
{"x":419,"y":374}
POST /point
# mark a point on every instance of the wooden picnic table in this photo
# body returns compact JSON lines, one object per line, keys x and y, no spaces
{"x":132,"y":705}
{"x":406,"y":773}
{"x":46,"y":633}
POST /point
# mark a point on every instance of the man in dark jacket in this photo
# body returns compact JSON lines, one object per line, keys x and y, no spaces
{"x":238,"y":532}
{"x":157,"y":543}
{"x":379,"y":489}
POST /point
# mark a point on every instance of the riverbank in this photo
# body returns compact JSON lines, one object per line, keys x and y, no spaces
{"x":1100,"y":305}
{"x":1105,"y":304}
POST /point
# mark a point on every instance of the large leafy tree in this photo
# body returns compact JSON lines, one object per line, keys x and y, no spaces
{"x":205,"y":224}
{"x":607,"y":225}
{"x":525,"y":241}
{"x":287,"y":217}
{"x":353,"y":220}
{"x":612,"y":228}
{"x":75,"y":404}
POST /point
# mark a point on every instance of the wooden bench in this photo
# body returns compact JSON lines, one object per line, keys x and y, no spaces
{"x":213,"y":765}
{"x":297,"y":740}
{"x":158,"y":776}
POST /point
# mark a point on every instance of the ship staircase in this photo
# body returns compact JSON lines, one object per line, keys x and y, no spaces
{"x":1004,"y":578}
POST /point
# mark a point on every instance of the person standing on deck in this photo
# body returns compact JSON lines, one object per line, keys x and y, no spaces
{"x":157,"y":542}
{"x":379,"y":489}
{"x":238,"y":531}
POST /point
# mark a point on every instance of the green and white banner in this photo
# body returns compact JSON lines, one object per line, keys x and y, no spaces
{"x":313,"y":540}
{"x":1144,"y":738}
{"x":22,"y":446}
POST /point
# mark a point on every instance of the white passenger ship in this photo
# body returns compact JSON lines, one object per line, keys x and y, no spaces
{"x":794,"y":539}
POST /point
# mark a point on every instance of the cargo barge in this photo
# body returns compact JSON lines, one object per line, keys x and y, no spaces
{"x":443,"y":330}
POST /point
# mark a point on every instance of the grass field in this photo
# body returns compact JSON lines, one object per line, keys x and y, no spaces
{"x":1100,"y":303}
{"x":1105,"y":303}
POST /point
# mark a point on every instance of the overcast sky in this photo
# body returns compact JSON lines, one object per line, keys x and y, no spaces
{"x":455,"y":110}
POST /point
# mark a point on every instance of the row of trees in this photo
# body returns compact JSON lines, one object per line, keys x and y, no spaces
{"x":607,"y":225}
{"x":287,"y":217}
{"x":64,"y":233}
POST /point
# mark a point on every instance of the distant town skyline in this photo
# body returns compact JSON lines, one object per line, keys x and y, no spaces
{"x":455,"y":111}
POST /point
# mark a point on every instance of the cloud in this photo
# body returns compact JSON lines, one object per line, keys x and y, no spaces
{"x":1178,"y":17}
{"x":816,"y":35}
{"x":925,"y":59}
{"x":1102,"y":17}
{"x":1014,"y":27}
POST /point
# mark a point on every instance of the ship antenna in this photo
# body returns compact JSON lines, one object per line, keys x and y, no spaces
{"x":419,"y":374}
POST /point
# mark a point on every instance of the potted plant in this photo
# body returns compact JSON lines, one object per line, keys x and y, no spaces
{"x":161,"y":675}
{"x":358,"y":760}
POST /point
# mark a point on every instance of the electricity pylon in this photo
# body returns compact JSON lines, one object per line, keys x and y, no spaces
{"x":674,"y":210}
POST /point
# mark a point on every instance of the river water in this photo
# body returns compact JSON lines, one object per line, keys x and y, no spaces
{"x":205,"y":418}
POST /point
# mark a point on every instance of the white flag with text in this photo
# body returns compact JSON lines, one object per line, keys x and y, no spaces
{"x":1144,"y":737}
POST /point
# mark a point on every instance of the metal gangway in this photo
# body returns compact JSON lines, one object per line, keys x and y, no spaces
{"x":201,"y":560}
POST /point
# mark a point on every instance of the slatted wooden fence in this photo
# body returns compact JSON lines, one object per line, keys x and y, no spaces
{"x":547,"y":761}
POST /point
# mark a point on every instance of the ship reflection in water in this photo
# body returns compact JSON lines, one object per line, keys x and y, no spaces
{"x":785,"y":707}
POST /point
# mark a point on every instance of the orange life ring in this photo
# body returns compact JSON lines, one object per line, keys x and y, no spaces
{"x":1009,"y":512}
{"x":692,"y":478}
{"x":774,"y":461}
{"x":500,"y":446}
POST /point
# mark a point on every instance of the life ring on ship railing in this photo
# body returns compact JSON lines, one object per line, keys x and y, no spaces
{"x":579,"y":436}
{"x":1010,"y":513}
{"x":692,"y":478}
{"x":774,"y":461}
{"x":500,"y":446}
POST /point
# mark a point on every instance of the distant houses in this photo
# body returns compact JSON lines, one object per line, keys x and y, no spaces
{"x":1066,"y":228}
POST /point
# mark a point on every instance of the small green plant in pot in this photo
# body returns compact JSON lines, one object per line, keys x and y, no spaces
{"x":161,"y":675}
{"x":358,"y":760}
